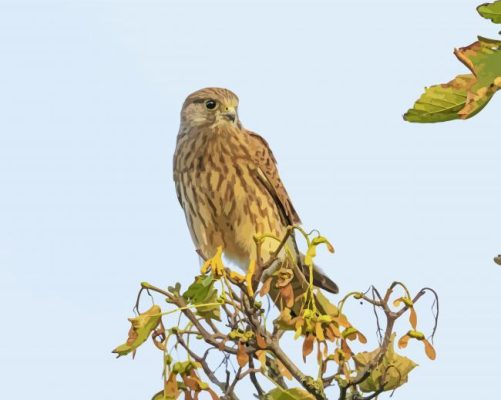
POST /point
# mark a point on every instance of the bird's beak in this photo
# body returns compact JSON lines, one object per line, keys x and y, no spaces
{"x":230,"y":114}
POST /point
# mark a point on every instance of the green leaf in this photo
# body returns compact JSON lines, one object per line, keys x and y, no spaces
{"x":290,"y":394}
{"x":393,"y":369}
{"x":491,"y":11}
{"x":465,"y":95}
{"x":141,"y":328}
{"x":200,"y":292}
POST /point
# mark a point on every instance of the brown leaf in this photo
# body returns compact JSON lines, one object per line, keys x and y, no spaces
{"x":346,"y":349}
{"x":361,"y":337}
{"x":287,"y":294}
{"x":332,"y":332}
{"x":266,"y":287}
{"x":242,"y":356}
{"x":158,"y":337}
{"x":404,"y":340}
{"x":342,"y":320}
{"x":170,"y":388}
{"x":308,"y":345}
{"x":413,"y":318}
{"x":429,"y":350}
{"x":191,"y":383}
{"x":260,"y":341}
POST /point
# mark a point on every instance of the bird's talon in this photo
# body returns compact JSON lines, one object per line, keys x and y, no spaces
{"x":215,"y":264}
{"x":248,"y":277}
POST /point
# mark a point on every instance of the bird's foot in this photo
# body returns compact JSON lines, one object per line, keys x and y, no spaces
{"x":215,"y":264}
{"x":249,"y":277}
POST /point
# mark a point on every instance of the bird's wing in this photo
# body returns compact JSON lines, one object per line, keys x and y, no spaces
{"x":268,"y":175}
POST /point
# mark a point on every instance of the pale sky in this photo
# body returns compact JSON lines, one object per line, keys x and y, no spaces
{"x":90,"y":94}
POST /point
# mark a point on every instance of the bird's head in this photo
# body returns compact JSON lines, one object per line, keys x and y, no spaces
{"x":210,"y":106}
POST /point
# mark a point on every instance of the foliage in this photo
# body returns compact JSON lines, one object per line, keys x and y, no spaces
{"x":491,"y":11}
{"x":223,"y":310}
{"x":466,"y":95}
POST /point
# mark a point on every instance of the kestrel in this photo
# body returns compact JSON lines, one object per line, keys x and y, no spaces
{"x":228,"y":184}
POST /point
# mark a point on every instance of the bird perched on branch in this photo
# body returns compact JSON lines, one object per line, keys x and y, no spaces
{"x":228,"y":185}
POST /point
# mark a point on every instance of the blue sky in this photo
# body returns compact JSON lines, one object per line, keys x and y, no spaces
{"x":90,"y":94}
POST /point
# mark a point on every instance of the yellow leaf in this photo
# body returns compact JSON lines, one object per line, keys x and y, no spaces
{"x":261,"y":356}
{"x":394,"y":368}
{"x":319,"y":332}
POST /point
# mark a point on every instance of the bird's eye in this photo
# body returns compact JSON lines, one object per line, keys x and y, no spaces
{"x":210,"y":104}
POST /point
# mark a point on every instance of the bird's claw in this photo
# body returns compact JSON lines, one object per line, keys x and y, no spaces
{"x":215,"y":264}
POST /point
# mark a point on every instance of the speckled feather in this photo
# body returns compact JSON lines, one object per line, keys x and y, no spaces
{"x":227,"y":182}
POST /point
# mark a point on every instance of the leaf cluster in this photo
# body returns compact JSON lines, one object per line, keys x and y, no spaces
{"x":224,"y":335}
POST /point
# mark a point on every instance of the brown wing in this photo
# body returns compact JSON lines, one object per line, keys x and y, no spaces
{"x":268,"y":175}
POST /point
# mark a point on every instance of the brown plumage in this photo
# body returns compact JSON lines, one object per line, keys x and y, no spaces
{"x":228,"y":184}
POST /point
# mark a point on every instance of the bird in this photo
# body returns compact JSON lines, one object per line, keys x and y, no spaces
{"x":227,"y":183}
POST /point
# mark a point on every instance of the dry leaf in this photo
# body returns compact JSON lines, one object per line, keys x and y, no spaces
{"x":413,"y":318}
{"x":287,"y":294}
{"x":266,"y":287}
{"x":393,"y":369}
{"x":142,"y":326}
{"x":170,"y":389}
{"x":429,"y":350}
{"x":308,"y":345}
{"x":242,"y":356}
{"x":404,"y":340}
{"x":260,"y":341}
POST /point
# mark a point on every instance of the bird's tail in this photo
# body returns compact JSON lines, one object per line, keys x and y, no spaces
{"x":301,"y":282}
{"x":300,"y":287}
{"x":320,"y":279}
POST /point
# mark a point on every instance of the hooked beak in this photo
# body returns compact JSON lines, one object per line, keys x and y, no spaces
{"x":230,"y":114}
